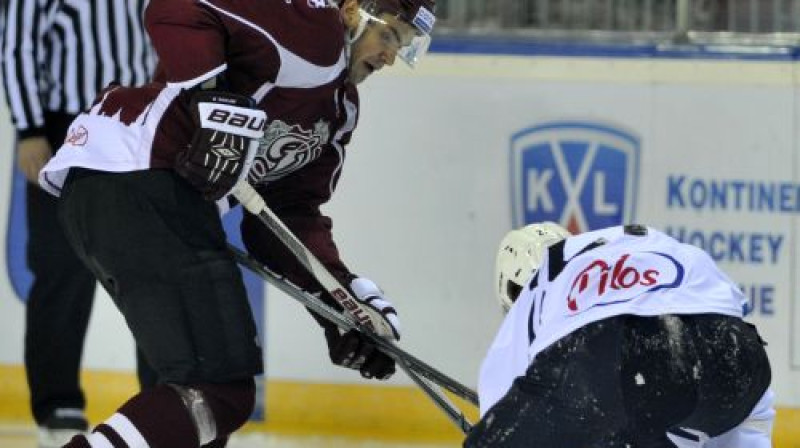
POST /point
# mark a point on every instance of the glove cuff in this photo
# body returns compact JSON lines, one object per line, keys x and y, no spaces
{"x":364,"y":287}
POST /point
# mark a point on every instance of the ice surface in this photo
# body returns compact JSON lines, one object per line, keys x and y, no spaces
{"x":24,"y":436}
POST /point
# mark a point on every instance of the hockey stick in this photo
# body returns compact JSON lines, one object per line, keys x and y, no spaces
{"x":362,"y":314}
{"x":344,"y":322}
{"x":425,"y":376}
{"x":439,"y":398}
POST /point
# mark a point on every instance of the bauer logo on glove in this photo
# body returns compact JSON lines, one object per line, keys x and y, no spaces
{"x":221,"y":147}
{"x":232,"y":118}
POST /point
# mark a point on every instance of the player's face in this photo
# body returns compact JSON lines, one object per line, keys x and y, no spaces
{"x":378,"y":46}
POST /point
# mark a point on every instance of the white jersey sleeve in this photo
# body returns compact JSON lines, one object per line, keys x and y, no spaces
{"x":507,"y":357}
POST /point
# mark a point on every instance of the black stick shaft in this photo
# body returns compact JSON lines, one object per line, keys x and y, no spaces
{"x":417,"y":370}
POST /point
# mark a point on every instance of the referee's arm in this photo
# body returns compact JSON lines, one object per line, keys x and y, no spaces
{"x":24,"y":27}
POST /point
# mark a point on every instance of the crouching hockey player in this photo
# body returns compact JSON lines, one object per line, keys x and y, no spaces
{"x":617,"y":338}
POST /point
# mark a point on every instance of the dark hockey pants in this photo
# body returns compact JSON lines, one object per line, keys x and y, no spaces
{"x":625,"y":381}
{"x":160,"y":251}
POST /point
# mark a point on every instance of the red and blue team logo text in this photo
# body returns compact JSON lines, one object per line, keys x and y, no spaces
{"x":603,"y":283}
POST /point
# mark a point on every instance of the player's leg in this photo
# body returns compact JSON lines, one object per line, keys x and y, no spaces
{"x":148,"y":378}
{"x":754,"y":432}
{"x":569,"y":397}
{"x":177,"y":416}
{"x":733,"y":377}
{"x":657,"y":377}
{"x":160,"y":250}
{"x":57,"y":313}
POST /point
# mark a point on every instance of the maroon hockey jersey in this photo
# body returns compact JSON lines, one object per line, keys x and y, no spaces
{"x":289,"y":56}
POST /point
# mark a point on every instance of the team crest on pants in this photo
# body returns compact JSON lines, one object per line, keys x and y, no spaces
{"x":582,"y":175}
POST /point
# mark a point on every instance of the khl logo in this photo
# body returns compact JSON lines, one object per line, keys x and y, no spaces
{"x":582,"y":175}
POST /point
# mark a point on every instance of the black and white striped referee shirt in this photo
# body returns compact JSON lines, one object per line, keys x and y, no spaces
{"x":57,"y":54}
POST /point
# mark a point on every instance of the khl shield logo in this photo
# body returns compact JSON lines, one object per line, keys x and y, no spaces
{"x":582,"y":175}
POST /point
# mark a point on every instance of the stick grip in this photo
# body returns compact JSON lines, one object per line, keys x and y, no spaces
{"x":249,"y":197}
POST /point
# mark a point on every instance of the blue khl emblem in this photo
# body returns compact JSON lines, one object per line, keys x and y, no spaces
{"x":582,"y":175}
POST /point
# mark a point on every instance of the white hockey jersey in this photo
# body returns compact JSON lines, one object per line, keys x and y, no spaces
{"x":596,"y":275}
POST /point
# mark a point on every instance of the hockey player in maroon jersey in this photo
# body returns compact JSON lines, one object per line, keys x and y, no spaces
{"x":619,"y":337}
{"x":262,"y":90}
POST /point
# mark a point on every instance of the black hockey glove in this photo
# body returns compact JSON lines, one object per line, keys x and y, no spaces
{"x":227,"y":123}
{"x":354,"y":351}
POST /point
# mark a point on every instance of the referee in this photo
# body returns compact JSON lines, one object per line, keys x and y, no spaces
{"x":56,"y":56}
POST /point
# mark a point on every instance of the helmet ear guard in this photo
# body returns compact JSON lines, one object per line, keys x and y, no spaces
{"x":519,"y":256}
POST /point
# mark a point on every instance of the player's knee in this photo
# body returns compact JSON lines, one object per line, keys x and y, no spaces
{"x":217,"y":410}
{"x":232,"y":403}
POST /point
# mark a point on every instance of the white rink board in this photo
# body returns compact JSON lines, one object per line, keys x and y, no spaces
{"x":425,"y":195}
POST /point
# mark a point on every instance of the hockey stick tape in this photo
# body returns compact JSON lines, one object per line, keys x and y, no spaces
{"x":249,"y":197}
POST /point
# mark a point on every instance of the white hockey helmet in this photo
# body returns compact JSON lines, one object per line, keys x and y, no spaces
{"x":520,"y":255}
